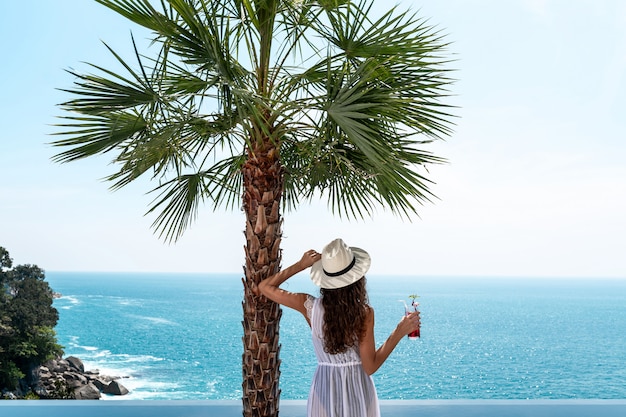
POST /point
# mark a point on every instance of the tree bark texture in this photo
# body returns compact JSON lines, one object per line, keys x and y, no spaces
{"x":263,"y":185}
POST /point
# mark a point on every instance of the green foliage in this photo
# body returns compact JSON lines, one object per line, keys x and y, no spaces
{"x":5,"y":260}
{"x":31,"y":396}
{"x":63,"y":391}
{"x":10,"y":374}
{"x":27,"y":320}
{"x":31,"y":304}
{"x":348,"y":101}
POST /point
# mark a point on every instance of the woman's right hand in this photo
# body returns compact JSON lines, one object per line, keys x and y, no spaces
{"x":309,"y":258}
{"x":409,"y":323}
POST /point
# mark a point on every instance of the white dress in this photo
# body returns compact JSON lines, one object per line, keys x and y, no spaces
{"x":340,"y":388}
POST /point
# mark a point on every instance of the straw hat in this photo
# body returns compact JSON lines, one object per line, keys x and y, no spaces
{"x":340,"y":265}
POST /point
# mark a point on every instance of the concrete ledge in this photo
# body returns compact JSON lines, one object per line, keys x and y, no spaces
{"x":297,"y":408}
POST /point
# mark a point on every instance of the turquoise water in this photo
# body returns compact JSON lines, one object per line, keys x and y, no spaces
{"x":178,"y":336}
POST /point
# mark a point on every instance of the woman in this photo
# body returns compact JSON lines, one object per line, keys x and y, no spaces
{"x":342,"y":327}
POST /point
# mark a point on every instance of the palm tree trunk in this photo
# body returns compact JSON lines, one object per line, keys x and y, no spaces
{"x":263,"y":185}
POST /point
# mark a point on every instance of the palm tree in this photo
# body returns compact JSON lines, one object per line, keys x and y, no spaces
{"x":264,"y":104}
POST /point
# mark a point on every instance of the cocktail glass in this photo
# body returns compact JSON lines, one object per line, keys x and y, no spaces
{"x":415,"y":334}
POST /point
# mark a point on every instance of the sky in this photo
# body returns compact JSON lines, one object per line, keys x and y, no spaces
{"x":535,"y":185}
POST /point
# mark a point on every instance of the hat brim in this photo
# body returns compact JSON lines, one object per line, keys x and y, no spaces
{"x":361,"y":266}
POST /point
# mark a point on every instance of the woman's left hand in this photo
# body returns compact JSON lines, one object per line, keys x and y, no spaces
{"x":409,"y":323}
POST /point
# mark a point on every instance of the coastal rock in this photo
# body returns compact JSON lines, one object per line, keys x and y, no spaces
{"x":87,"y":392}
{"x":75,"y":380}
{"x":66,"y":379}
{"x":41,"y":391}
{"x":58,"y":365}
{"x":76,"y":363}
{"x":100,"y":384}
{"x":115,"y":388}
{"x":7,"y":395}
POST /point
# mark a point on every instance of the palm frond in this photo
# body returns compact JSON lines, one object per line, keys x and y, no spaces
{"x":180,"y":200}
{"x":95,"y":134}
{"x":351,"y":120}
{"x":98,"y":94}
{"x":180,"y":197}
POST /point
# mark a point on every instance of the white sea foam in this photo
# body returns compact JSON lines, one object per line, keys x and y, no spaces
{"x":75,"y":345}
{"x":111,"y":370}
{"x":72,"y":300}
{"x":144,"y":389}
{"x":102,"y":354}
{"x":112,"y":364}
{"x":131,"y":375}
{"x":138,"y":358}
{"x":89,"y":348}
{"x":155,"y":320}
{"x":128,"y":302}
{"x":127,"y":368}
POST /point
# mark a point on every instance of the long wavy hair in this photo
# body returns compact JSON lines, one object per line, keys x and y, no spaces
{"x":345,"y":310}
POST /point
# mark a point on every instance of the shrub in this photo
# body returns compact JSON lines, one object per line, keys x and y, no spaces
{"x":27,"y":320}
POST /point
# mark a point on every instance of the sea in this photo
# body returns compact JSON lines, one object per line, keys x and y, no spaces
{"x":173,"y":336}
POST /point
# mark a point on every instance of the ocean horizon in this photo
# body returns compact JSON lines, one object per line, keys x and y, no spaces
{"x":178,"y":335}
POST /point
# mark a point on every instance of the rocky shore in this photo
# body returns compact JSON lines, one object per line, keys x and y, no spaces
{"x":66,"y":379}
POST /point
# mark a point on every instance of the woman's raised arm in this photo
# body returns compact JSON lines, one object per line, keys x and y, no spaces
{"x":270,"y":287}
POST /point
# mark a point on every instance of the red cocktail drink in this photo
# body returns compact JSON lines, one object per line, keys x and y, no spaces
{"x":416,"y":333}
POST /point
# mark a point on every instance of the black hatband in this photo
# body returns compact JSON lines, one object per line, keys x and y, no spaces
{"x":343,"y":271}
